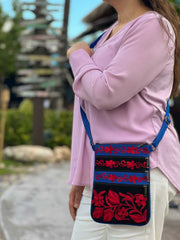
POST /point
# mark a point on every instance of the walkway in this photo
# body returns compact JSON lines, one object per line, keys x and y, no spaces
{"x":36,"y":208}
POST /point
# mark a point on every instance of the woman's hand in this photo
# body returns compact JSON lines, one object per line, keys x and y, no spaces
{"x":79,"y":45}
{"x":75,"y":199}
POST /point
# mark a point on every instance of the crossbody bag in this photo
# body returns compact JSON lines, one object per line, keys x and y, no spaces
{"x":121,"y":184}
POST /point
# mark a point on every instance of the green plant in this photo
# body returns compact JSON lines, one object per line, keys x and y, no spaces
{"x":14,"y":167}
{"x":26,"y":107}
{"x":10,"y":30}
{"x":57,"y":126}
{"x":18,"y":128}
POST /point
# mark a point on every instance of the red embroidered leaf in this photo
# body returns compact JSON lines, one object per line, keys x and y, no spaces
{"x":102,"y":192}
{"x":129,"y":205}
{"x":126,"y":197}
{"x":113,"y":197}
{"x":98,"y":212}
{"x":107,"y":201}
{"x":145,"y":214}
{"x":134,"y":211}
{"x":95,"y":193}
{"x":108,"y":215}
{"x":130,"y":194}
{"x":137,"y":216}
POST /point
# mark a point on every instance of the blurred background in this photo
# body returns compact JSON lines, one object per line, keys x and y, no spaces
{"x":36,"y":100}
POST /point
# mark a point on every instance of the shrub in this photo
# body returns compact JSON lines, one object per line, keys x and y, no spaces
{"x":18,"y":128}
{"x":57,"y":127}
{"x":26,"y":107}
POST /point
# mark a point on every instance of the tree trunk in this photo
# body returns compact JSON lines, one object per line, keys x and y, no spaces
{"x":1,"y":87}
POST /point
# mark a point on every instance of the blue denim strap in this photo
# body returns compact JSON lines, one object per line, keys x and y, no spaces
{"x":87,"y":127}
{"x":153,"y":145}
{"x":93,"y":44}
{"x":162,"y":131}
{"x":83,"y":114}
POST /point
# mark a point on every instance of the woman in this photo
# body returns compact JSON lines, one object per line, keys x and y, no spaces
{"x":124,"y":85}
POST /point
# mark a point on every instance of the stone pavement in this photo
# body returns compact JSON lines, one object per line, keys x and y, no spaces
{"x":35,"y":207}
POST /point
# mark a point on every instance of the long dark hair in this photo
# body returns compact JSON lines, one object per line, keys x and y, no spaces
{"x":167,"y":10}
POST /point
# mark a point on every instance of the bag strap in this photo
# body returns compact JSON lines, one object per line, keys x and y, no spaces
{"x":153,"y":145}
{"x":83,"y":114}
{"x":163,"y":129}
{"x":87,"y":127}
{"x":93,"y":44}
{"x":159,"y":136}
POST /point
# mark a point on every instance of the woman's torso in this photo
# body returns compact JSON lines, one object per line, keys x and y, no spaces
{"x":139,"y":119}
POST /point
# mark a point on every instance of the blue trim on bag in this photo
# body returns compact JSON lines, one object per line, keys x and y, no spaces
{"x":129,"y":150}
{"x":105,"y":177}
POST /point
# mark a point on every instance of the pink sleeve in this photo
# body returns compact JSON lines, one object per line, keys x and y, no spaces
{"x":79,"y":163}
{"x":139,"y":60}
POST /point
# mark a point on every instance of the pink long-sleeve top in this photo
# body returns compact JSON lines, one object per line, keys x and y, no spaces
{"x":124,"y":87}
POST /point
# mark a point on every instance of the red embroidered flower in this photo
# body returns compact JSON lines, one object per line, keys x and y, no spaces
{"x":98,"y":212}
{"x":140,"y":200}
{"x":132,"y":149}
{"x":131,"y":164}
{"x":121,"y":213}
{"x":112,"y":177}
{"x":133,"y":179}
{"x":110,"y":163}
{"x":109,"y":149}
{"x":98,"y":199}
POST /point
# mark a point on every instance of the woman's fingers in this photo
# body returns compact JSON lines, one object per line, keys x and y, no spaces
{"x":71,"y":204}
{"x":75,"y":199}
{"x":79,"y":45}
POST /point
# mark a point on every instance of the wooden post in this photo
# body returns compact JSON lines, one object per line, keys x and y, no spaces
{"x":63,"y":46}
{"x":38,"y":122}
{"x":5,"y":97}
{"x":65,"y":25}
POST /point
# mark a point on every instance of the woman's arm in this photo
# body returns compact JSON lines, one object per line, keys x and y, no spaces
{"x":76,"y":161}
{"x":142,"y":56}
